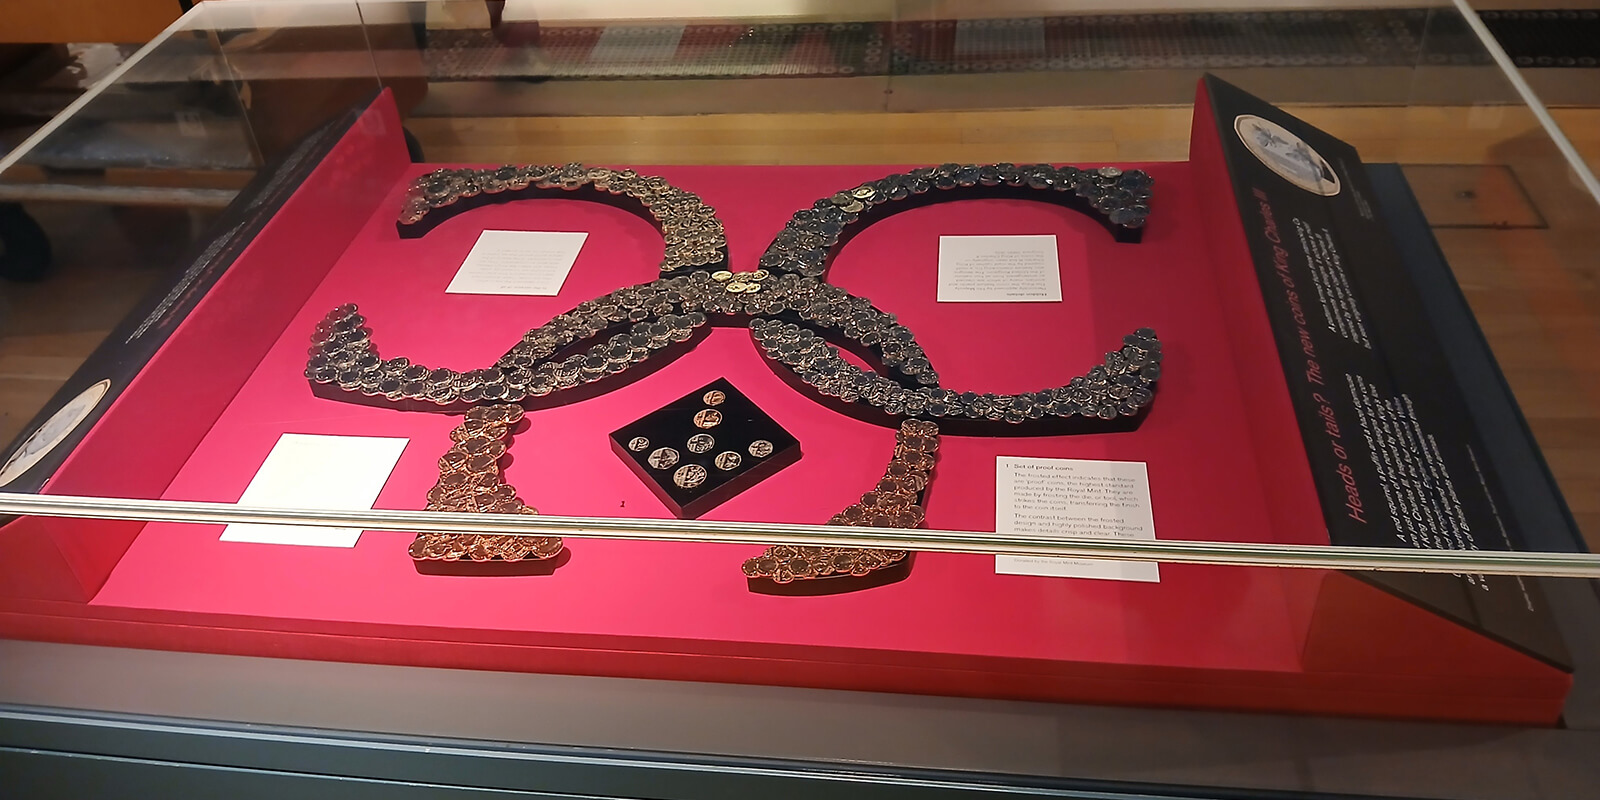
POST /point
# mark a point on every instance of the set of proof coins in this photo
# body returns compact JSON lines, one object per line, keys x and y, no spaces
{"x":706,"y":419}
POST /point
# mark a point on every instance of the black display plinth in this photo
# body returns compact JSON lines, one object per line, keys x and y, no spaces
{"x":705,"y":447}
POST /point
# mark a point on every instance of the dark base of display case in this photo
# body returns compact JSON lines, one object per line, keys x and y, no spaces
{"x":576,"y":394}
{"x":964,"y":426}
{"x":531,"y":566}
{"x":1062,"y":198}
{"x":839,"y":584}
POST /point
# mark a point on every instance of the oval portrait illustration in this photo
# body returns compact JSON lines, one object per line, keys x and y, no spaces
{"x":1287,"y":154}
{"x":52,"y":432}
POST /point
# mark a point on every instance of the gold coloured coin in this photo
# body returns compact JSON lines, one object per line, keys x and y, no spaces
{"x":713,"y":398}
{"x":701,"y":443}
{"x":638,"y":444}
{"x":689,"y":476}
{"x":727,"y":460}
{"x":662,"y":458}
{"x":721,"y":276}
{"x":761,"y":448}
{"x":707,"y":418}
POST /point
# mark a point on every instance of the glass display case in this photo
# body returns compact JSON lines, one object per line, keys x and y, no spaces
{"x":552,"y":399}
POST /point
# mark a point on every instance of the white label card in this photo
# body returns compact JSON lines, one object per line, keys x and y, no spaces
{"x":999,"y":269}
{"x":342,"y":473}
{"x":1066,"y":498}
{"x":518,"y":262}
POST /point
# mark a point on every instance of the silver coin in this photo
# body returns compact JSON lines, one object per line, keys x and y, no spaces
{"x":689,"y":476}
{"x":662,"y":458}
{"x":727,"y":460}
{"x":701,"y":443}
{"x":761,"y":448}
{"x":638,"y":444}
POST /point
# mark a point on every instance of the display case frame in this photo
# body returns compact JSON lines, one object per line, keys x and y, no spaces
{"x":1470,"y":354}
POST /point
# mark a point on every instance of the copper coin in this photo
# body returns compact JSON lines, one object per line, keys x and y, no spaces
{"x":727,"y":460}
{"x":902,"y":473}
{"x":638,"y":444}
{"x":761,"y":448}
{"x":713,"y":398}
{"x":689,"y":476}
{"x":708,"y":418}
{"x":701,"y":443}
{"x":662,"y":458}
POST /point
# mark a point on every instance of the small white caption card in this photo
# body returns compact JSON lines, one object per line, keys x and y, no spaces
{"x":1071,"y":498}
{"x":343,"y":473}
{"x":518,"y":262}
{"x":999,"y":269}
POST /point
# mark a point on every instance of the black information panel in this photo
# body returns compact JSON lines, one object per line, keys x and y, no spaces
{"x":1396,"y":459}
{"x":84,"y":398}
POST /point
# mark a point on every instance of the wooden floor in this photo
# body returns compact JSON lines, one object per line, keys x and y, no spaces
{"x":1523,"y":238}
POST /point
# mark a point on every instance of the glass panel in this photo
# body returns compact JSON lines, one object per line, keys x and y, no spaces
{"x":1309,"y":533}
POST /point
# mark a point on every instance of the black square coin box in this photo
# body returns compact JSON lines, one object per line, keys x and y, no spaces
{"x":705,"y":447}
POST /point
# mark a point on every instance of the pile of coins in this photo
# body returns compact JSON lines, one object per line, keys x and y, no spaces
{"x":470,"y":481}
{"x":692,"y":232}
{"x":806,"y":245}
{"x":1119,"y":387}
{"x":789,"y":307}
{"x":893,"y":503}
{"x":628,"y":326}
{"x":740,"y":282}
{"x":342,"y":355}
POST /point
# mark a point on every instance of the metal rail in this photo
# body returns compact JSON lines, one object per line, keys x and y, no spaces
{"x":1243,"y":554}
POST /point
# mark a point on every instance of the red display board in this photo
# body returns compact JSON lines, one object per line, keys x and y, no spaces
{"x":1224,"y":458}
